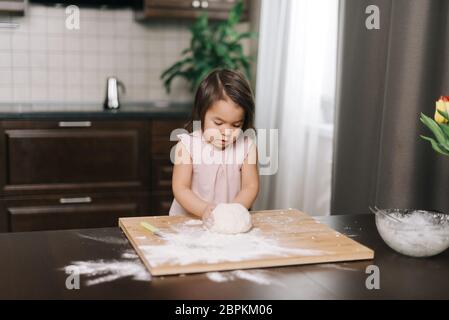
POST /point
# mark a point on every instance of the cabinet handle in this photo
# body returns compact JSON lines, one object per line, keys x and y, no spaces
{"x":196,"y":3}
{"x":75,"y":124}
{"x":76,"y":200}
{"x":204,"y":4}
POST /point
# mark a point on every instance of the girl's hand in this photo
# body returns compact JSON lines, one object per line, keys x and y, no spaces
{"x":207,"y":217}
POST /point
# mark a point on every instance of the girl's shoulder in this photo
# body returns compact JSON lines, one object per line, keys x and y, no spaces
{"x":188,"y":137}
{"x":190,"y":140}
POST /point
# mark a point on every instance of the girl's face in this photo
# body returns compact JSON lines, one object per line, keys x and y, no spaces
{"x":223,"y":122}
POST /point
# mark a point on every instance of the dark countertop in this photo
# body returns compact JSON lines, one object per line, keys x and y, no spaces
{"x":30,"y":111}
{"x":31,"y":262}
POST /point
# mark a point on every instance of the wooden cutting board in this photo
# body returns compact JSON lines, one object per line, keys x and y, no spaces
{"x":290,"y":229}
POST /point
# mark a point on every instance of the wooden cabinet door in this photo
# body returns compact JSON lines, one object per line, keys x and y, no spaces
{"x":216,"y":9}
{"x":73,"y":156}
{"x":161,"y":173}
{"x":70,"y":212}
{"x":177,"y":4}
{"x":194,"y":4}
{"x":161,"y":203}
{"x":225,"y":5}
{"x":161,"y":165}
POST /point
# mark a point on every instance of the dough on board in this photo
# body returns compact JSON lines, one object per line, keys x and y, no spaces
{"x":230,"y":218}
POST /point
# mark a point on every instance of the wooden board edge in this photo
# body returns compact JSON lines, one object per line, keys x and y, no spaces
{"x":136,"y":247}
{"x":260,"y":264}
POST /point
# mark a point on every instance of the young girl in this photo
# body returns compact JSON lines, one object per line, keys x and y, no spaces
{"x":217,"y":163}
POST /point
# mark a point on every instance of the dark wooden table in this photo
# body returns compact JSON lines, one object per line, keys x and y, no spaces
{"x":30,"y":268}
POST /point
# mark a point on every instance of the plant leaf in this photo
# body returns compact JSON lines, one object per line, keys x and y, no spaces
{"x":444,"y":114}
{"x":444,"y":128}
{"x":436,"y":130}
{"x":435,"y":146}
{"x":235,"y":14}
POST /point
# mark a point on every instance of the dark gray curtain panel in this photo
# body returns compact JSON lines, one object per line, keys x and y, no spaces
{"x":386,"y":77}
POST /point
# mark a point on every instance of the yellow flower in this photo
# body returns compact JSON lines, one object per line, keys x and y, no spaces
{"x":443,"y":105}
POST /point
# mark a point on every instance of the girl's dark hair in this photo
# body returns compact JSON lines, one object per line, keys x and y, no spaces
{"x":215,"y":87}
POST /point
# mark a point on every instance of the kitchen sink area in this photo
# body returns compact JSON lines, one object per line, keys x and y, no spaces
{"x":38,"y":110}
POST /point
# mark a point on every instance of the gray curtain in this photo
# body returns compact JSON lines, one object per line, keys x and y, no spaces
{"x":386,"y":77}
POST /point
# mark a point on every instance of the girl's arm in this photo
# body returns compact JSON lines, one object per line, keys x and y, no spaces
{"x":182,"y":183}
{"x":250,"y":180}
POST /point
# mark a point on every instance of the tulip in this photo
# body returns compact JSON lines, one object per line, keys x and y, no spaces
{"x":441,"y":105}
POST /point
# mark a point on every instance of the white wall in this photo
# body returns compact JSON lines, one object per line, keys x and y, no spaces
{"x":43,"y":61}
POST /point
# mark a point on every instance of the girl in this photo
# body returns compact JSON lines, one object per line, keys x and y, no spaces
{"x":216,"y":163}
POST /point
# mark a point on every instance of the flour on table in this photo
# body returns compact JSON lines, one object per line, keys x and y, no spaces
{"x":218,"y":276}
{"x":105,"y":239}
{"x":130,"y":255}
{"x":256,"y":276}
{"x":101,"y":271}
{"x":336,"y":267}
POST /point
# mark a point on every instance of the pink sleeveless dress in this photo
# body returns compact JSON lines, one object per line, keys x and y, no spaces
{"x":216,"y":174}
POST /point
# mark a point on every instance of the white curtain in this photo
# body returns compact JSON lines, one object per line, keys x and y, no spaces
{"x":295,"y":93}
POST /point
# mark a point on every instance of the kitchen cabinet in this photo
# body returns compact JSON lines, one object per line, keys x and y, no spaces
{"x":71,"y":211}
{"x":161,"y":165}
{"x":189,"y":9}
{"x":73,"y":156}
{"x":13,"y":6}
{"x":83,"y":173}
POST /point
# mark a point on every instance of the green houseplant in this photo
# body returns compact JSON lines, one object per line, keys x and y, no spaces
{"x":213,"y":45}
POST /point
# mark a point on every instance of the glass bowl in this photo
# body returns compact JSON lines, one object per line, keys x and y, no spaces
{"x":415,"y":233}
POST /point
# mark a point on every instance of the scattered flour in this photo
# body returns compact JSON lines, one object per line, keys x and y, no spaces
{"x":106,"y":239}
{"x":193,"y":222}
{"x":189,"y":245}
{"x":336,"y":267}
{"x":101,"y":271}
{"x":218,"y":276}
{"x":130,"y":255}
{"x":255,"y":276}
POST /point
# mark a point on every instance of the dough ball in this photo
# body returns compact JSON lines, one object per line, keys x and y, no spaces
{"x":230,"y":218}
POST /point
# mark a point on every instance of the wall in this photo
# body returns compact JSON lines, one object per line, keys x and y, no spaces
{"x":42,"y":61}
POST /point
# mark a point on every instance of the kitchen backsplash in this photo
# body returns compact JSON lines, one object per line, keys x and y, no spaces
{"x":43,"y":61}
